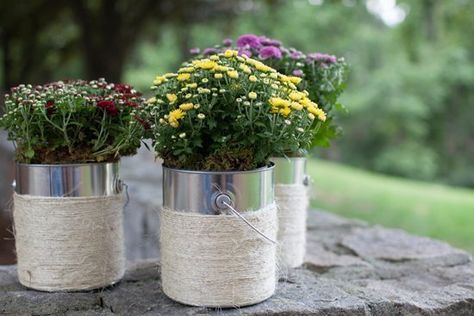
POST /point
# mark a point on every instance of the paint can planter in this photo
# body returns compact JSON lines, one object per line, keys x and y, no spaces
{"x":292,"y":198}
{"x":68,"y":226}
{"x":209,"y":255}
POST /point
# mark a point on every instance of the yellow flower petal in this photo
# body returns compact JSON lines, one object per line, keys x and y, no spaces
{"x":186,"y":106}
{"x":183,"y":76}
{"x":233,"y":74}
{"x":171,"y":97}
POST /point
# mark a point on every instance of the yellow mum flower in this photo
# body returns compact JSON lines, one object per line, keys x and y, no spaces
{"x":233,"y":74}
{"x":171,"y":97}
{"x":221,"y":68}
{"x":252,"y":78}
{"x":296,"y":106}
{"x":230,"y":53}
{"x":294,"y":79}
{"x":307,"y":102}
{"x":186,"y":69}
{"x":251,"y":61}
{"x":245,"y":68}
{"x":205,"y":63}
{"x":262,"y":67}
{"x":192,"y":85}
{"x":159,"y":80}
{"x":295,"y":95}
{"x":169,"y":75}
{"x":311,"y":116}
{"x":218,"y":76}
{"x":285,"y":112}
{"x":174,"y":116}
{"x":151,"y":100}
{"x":252,"y":95}
{"x":292,"y":85}
{"x":318,"y":112}
{"x":183,"y":76}
{"x":214,"y":57}
{"x":279,"y":102}
{"x":186,"y":106}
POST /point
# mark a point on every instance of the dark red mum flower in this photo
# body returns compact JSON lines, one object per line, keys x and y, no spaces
{"x":131,"y":104}
{"x":108,"y":106}
{"x":49,"y":107}
{"x":123,"y":88}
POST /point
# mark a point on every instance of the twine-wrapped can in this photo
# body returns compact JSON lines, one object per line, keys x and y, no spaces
{"x":209,"y":255}
{"x":68,"y":226}
{"x":292,"y":198}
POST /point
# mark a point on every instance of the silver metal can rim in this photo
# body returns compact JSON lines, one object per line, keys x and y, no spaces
{"x":68,"y":180}
{"x":271,"y":165}
{"x":203,"y":192}
{"x":290,"y":170}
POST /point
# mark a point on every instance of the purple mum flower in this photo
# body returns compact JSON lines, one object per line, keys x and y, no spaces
{"x":246,"y":52}
{"x":325,"y":58}
{"x":296,"y":55}
{"x":270,"y":52}
{"x":227,"y":42}
{"x":209,"y":51}
{"x":269,"y":41}
{"x":284,"y":51}
{"x":194,"y":51}
{"x":298,"y":73}
{"x":249,"y":40}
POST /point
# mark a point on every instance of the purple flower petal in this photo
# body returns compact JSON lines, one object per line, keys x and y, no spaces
{"x":325,"y":58}
{"x":227,"y":42}
{"x":209,"y":51}
{"x":265,"y":41}
{"x":270,"y":52}
{"x":296,"y":55}
{"x":194,"y":51}
{"x":246,"y":52}
{"x":298,"y":73}
{"x":249,"y":40}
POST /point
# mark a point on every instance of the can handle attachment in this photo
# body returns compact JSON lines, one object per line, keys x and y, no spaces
{"x":223,"y":201}
{"x":307,"y":180}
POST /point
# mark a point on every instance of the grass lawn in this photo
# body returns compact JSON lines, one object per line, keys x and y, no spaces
{"x":421,"y":208}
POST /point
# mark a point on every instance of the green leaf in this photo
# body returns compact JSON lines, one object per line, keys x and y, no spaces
{"x":29,"y":153}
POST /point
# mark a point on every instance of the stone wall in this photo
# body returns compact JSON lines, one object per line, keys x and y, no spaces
{"x":352,"y":268}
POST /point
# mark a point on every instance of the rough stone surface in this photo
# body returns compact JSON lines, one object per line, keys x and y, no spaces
{"x":348,"y":272}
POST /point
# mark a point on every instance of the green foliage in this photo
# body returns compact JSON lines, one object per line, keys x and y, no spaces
{"x":432,"y":210}
{"x":73,"y":122}
{"x":229,"y":112}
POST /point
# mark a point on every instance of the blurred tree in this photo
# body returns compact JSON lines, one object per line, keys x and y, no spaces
{"x":29,"y":47}
{"x":39,"y":38}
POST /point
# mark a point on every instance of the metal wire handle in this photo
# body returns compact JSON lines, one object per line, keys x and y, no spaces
{"x":233,"y":210}
{"x":126,"y":194}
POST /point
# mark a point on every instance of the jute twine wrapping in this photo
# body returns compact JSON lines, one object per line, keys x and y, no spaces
{"x":217,"y":260}
{"x":292,"y":201}
{"x":67,"y":244}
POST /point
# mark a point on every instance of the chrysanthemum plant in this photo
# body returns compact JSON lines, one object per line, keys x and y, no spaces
{"x":73,"y":121}
{"x":229,"y":112}
{"x":323,"y":75}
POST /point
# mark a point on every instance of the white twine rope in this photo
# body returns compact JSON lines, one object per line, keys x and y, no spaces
{"x":218,"y":260}
{"x":292,"y":201}
{"x":69,"y":243}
